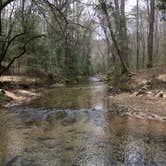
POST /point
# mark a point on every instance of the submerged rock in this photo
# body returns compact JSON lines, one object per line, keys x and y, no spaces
{"x":68,"y":121}
{"x":2,"y":92}
{"x":161,"y":94}
{"x":19,"y":161}
{"x":4,"y":97}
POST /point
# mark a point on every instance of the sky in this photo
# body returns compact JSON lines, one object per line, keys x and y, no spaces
{"x":130,"y":4}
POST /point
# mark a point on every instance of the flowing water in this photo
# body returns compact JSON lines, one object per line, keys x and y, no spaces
{"x":75,"y":126}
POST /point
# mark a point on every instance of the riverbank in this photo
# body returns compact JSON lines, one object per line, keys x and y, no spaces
{"x":143,"y":107}
{"x":77,"y":124}
{"x":141,"y":95}
{"x":16,"y":90}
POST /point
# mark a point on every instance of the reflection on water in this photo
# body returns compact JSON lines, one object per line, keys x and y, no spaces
{"x":86,"y":135}
{"x":77,"y":97}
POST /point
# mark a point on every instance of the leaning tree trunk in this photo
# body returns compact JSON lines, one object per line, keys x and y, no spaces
{"x":119,"y":53}
{"x":151,"y":34}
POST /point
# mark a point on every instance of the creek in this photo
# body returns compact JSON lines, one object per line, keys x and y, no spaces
{"x":75,"y":126}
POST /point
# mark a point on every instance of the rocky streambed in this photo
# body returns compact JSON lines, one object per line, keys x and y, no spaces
{"x":78,"y":125}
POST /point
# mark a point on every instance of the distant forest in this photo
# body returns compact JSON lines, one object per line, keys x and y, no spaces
{"x":55,"y":37}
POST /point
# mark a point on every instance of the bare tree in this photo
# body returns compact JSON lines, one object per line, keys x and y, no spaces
{"x":138,"y":38}
{"x":124,"y":37}
{"x":1,"y":18}
{"x":151,"y":33}
{"x":119,"y":47}
{"x":9,"y":38}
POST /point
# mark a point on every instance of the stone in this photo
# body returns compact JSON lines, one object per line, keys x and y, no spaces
{"x":161,"y":94}
{"x":2,"y":91}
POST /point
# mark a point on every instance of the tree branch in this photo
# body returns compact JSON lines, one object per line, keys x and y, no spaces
{"x":5,"y":4}
{"x":8,"y":45}
{"x":21,"y":54}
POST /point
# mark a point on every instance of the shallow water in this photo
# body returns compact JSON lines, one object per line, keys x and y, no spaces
{"x":72,"y":126}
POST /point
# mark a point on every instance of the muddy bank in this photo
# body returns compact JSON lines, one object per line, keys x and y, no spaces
{"x":139,"y":106}
{"x":24,"y":82}
{"x":19,"y":97}
{"x":141,"y":94}
{"x":17,"y":90}
{"x":154,"y":78}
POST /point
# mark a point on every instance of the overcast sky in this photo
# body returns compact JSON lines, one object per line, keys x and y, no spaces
{"x":130,"y":4}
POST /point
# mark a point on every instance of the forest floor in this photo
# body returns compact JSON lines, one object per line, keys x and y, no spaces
{"x":142,"y":95}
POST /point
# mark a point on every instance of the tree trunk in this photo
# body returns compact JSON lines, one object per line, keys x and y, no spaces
{"x":121,"y":44}
{"x":124,"y":35}
{"x":1,"y":67}
{"x":0,"y":18}
{"x":144,"y":50}
{"x":123,"y":64}
{"x":151,"y":33}
{"x":156,"y":37}
{"x":138,"y":44}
